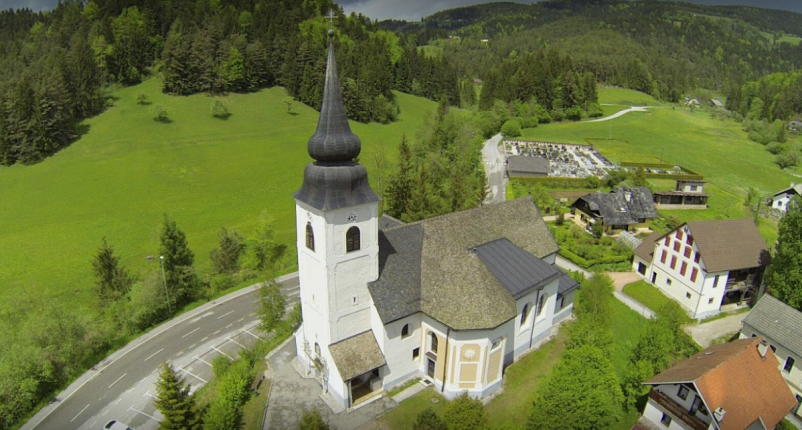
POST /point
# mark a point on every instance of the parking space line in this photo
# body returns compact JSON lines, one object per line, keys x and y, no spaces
{"x":191,"y":374}
{"x":151,"y":355}
{"x":229,"y":325}
{"x":117,"y":380}
{"x":131,"y":408}
{"x":221,"y":352}
{"x":118,"y":401}
{"x":246,"y":331}
{"x":218,"y":331}
{"x":147,"y":393}
{"x":193,"y":345}
{"x":203,"y":361}
{"x":241,"y":345}
{"x":93,"y":423}
{"x":225,"y":314}
{"x":193,"y":331}
{"x":79,"y":413}
{"x":204,"y":339}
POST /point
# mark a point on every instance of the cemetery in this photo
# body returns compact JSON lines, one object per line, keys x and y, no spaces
{"x":566,"y":160}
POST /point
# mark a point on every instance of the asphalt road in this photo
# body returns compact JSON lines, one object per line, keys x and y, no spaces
{"x":495,"y":170}
{"x":121,"y":387}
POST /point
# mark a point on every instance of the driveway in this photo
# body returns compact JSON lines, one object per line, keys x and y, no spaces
{"x":704,"y":334}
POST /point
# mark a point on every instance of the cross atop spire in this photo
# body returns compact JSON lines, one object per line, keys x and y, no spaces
{"x":331,"y":16}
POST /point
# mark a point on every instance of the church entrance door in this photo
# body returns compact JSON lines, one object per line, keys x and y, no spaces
{"x":430,"y":368}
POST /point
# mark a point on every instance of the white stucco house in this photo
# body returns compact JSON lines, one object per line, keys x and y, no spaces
{"x":781,"y":326}
{"x":704,"y":265}
{"x":452,"y":299}
{"x":780,"y":200}
{"x":732,"y":386}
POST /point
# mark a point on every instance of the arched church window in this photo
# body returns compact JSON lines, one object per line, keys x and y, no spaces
{"x":523,"y":313}
{"x":352,"y":242}
{"x":433,"y":342}
{"x":310,"y":236}
{"x":405,"y":331}
{"x":317,"y":349}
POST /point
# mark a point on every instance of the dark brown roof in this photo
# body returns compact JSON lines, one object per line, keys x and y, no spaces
{"x":430,"y":266}
{"x":528,"y":164}
{"x":357,"y":355}
{"x":679,"y":193}
{"x":646,"y":249}
{"x":734,"y":377}
{"x":729,"y":244}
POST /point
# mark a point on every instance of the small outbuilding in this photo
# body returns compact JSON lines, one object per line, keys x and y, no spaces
{"x":716,"y":103}
{"x":521,"y":166}
{"x":795,"y":126}
{"x":688,"y":194}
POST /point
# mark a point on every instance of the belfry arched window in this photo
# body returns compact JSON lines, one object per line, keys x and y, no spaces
{"x":352,"y":239}
{"x":310,"y":236}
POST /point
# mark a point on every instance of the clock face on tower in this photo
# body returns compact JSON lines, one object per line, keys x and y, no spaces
{"x":352,"y":217}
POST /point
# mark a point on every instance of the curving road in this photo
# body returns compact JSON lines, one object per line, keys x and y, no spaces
{"x":620,"y":113}
{"x":121,"y":387}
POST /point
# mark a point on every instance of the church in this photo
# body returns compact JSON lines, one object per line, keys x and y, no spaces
{"x":452,"y":299}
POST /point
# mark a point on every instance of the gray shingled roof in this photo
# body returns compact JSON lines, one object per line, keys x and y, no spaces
{"x":387,"y":222}
{"x":429,"y":266}
{"x":615,"y":209}
{"x":795,"y":188}
{"x":729,"y":244}
{"x":518,"y":271}
{"x":528,"y":164}
{"x":567,"y":284}
{"x":357,"y":355}
{"x":778,"y":321}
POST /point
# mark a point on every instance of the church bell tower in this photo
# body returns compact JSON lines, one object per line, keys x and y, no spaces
{"x":337,"y":230}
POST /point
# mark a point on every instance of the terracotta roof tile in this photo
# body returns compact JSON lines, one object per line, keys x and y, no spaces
{"x":735,"y":378}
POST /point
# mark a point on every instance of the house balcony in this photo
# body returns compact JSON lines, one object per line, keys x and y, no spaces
{"x":678,"y":412}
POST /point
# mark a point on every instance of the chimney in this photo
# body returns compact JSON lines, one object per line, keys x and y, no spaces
{"x":719,"y":414}
{"x":762,"y":347}
{"x":628,"y":196}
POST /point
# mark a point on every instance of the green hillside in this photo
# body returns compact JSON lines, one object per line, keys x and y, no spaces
{"x":127,"y":170}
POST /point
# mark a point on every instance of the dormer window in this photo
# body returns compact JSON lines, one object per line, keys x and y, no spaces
{"x":310,"y":236}
{"x":352,"y":239}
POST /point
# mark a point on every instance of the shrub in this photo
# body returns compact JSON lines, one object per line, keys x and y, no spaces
{"x":574,"y":113}
{"x":529,"y":122}
{"x":220,"y":110}
{"x":595,"y":110}
{"x":789,"y":159}
{"x":511,"y":128}
{"x":141,"y":99}
{"x":159,"y":113}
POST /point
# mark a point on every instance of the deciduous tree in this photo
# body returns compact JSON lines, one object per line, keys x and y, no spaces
{"x":112,"y":281}
{"x":465,"y":413}
{"x":785,"y":274}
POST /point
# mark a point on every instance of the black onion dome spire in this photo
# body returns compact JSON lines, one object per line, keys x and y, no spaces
{"x":333,"y":140}
{"x":334,"y":180}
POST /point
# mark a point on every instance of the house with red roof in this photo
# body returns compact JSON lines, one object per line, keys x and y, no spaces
{"x":733,"y":386}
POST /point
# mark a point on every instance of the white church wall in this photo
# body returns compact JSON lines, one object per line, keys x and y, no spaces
{"x":550,"y":259}
{"x":398,"y":350}
{"x":564,"y":307}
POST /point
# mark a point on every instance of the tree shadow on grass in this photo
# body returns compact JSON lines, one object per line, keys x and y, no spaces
{"x":82,"y":129}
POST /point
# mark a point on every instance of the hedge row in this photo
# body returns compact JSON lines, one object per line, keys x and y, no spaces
{"x":587,"y":264}
{"x":554,"y":182}
{"x":690,"y":174}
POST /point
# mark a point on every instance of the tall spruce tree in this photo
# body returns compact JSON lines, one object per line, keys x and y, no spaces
{"x":400,"y":189}
{"x":225,"y":258}
{"x":785,"y":274}
{"x":174,"y":402}
{"x":112,"y":281}
{"x":177,"y":259}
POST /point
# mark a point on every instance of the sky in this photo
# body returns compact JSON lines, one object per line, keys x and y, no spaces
{"x":416,"y":9}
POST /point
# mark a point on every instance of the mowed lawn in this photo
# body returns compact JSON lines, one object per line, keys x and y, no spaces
{"x":127,"y":170}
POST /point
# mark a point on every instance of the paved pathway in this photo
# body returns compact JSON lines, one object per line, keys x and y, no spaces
{"x":620,"y":113}
{"x":494,"y":169}
{"x":705,"y":333}
{"x":290,"y":394}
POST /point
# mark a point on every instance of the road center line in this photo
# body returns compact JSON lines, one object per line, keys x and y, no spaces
{"x":140,"y":412}
{"x":151,"y":355}
{"x":191,"y":374}
{"x":193,"y":331}
{"x":79,"y":413}
{"x":118,"y":380}
{"x":227,"y":313}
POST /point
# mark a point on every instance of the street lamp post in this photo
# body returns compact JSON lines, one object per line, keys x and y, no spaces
{"x":164,"y":281}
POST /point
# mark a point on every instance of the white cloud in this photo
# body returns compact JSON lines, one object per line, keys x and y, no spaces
{"x":35,"y":5}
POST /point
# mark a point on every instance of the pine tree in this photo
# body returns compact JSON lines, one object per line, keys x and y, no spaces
{"x":225,"y":258}
{"x":174,"y":402}
{"x":273,"y":304}
{"x":400,"y":189}
{"x":111,"y":280}
{"x":428,"y":420}
{"x":177,"y":259}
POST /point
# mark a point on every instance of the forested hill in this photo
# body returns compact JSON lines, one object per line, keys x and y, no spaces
{"x":58,"y":67}
{"x":662,"y":48}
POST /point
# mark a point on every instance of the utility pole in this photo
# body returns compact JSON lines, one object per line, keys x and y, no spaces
{"x":164,"y":282}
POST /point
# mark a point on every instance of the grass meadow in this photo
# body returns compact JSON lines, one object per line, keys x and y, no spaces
{"x":127,"y":170}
